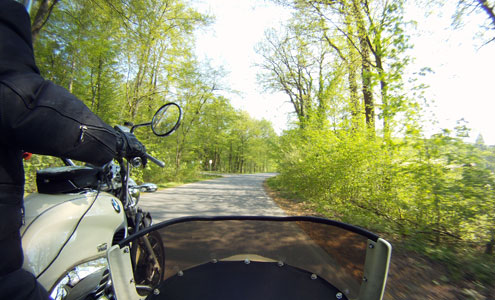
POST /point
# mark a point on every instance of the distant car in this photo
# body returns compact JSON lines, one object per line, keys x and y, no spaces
{"x":148,"y":187}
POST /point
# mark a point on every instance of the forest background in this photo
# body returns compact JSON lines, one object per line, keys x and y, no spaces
{"x":357,"y":150}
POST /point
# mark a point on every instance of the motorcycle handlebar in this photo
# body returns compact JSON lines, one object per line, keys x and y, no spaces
{"x":156,"y":161}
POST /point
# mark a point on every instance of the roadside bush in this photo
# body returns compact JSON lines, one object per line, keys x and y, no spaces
{"x":439,"y":188}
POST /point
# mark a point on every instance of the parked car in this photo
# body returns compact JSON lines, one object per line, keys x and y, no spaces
{"x":148,"y":187}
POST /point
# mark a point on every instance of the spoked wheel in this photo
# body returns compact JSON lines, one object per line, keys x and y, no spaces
{"x":148,"y":271}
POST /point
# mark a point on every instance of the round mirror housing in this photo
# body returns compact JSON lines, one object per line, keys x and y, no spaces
{"x":167,"y":119}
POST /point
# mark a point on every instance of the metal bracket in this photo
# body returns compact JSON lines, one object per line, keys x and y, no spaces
{"x":375,"y":270}
{"x":119,"y":260}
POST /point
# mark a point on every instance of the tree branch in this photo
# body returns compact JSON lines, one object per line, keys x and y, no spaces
{"x":42,"y":15}
{"x":488,"y":10}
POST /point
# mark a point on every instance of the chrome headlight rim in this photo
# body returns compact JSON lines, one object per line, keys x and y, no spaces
{"x":75,"y":275}
{"x":135,"y":194}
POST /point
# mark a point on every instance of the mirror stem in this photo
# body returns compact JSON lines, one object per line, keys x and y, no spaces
{"x":140,"y":125}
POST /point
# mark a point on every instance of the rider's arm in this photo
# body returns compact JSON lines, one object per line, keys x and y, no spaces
{"x":40,"y":117}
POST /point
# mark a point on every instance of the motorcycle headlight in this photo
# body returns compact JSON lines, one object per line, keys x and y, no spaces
{"x":75,"y":276}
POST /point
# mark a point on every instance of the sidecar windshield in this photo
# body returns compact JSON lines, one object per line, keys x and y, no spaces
{"x":333,"y":252}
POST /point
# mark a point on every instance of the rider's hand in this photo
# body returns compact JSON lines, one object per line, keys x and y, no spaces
{"x":129,"y":147}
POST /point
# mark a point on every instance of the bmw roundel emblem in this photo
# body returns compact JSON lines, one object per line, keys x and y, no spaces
{"x":115,"y":205}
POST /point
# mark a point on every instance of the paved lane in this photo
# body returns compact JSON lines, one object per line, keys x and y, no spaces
{"x":230,"y":195}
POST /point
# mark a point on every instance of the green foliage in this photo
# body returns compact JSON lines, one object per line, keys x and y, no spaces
{"x":463,"y":262}
{"x":343,"y":172}
{"x":233,"y":141}
{"x":436,"y":193}
{"x":124,"y":59}
{"x":438,"y":187}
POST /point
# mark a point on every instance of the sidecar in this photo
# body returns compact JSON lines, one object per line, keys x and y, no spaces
{"x":258,"y":258}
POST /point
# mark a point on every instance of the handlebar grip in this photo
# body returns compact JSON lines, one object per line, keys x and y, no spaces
{"x":156,"y":161}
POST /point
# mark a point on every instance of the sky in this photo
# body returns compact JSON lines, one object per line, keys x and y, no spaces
{"x":461,"y":84}
{"x":230,"y":42}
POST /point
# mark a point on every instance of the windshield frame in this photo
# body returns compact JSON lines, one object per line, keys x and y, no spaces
{"x":355,"y":229}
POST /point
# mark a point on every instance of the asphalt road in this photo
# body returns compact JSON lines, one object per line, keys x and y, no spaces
{"x":229,"y":195}
{"x":193,"y":243}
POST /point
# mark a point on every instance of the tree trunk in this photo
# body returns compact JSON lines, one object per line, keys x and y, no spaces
{"x":98,"y":84}
{"x":230,"y":158}
{"x":386,"y":109}
{"x":369,"y":105}
{"x":354,"y":98}
{"x":72,"y":70}
{"x":355,"y":106}
{"x":178,"y":154}
{"x":42,"y":15}
{"x":377,"y":53}
{"x":488,"y":10}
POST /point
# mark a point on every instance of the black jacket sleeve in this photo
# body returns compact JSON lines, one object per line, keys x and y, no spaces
{"x":36,"y":115}
{"x":40,"y":117}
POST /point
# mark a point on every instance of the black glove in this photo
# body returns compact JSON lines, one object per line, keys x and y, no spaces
{"x":129,"y":147}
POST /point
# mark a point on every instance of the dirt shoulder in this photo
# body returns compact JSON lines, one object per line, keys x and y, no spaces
{"x":411,"y":276}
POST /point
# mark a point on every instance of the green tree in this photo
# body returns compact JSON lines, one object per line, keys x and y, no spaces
{"x":156,"y":35}
{"x":41,"y":16}
{"x":195,"y":88}
{"x":300,"y":66}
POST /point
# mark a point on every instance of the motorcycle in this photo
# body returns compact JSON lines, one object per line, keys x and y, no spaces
{"x":79,"y":212}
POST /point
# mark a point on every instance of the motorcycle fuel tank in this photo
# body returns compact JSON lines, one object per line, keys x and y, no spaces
{"x":62,"y":231}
